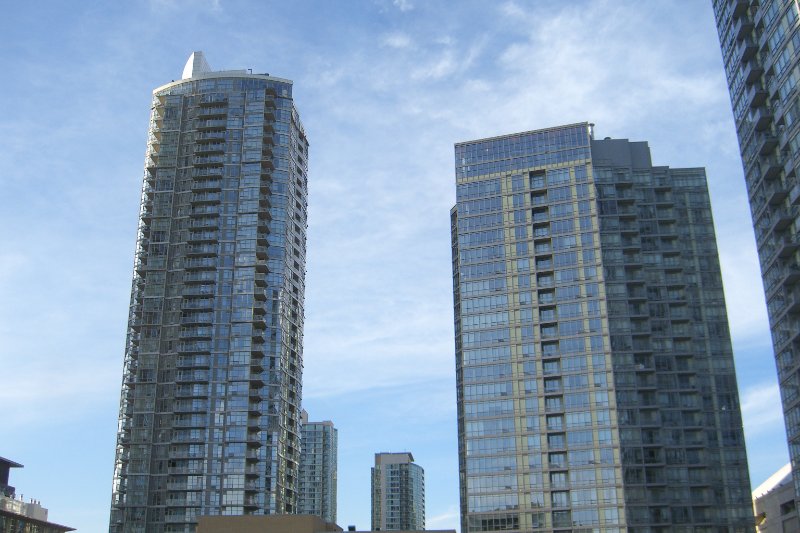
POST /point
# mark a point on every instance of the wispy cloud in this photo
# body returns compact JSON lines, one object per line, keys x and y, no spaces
{"x":761,"y":408}
{"x":445,"y":519}
{"x":403,"y":5}
{"x":397,"y":40}
{"x":43,"y":391}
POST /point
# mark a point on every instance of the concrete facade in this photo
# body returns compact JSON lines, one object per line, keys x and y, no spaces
{"x":774,"y":504}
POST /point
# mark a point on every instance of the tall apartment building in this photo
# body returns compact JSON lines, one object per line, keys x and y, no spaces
{"x":318,"y":476}
{"x":209,"y":420}
{"x":398,"y":493}
{"x":760,"y":45}
{"x":596,"y":384}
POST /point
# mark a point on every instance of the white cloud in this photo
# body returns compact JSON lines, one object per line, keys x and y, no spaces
{"x":446,"y":519}
{"x":43,"y":390}
{"x":761,"y":408}
{"x":744,"y":295}
{"x":178,"y":5}
{"x":403,"y":5}
{"x":397,"y":40}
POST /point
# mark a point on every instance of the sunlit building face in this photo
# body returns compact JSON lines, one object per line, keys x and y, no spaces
{"x":596,"y":388}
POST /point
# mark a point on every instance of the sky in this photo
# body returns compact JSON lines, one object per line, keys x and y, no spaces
{"x":384,"y":88}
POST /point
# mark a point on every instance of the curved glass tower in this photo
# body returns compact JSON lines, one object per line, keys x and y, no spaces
{"x":209,"y":420}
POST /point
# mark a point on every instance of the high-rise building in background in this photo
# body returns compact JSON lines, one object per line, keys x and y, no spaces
{"x":760,"y":45}
{"x":209,"y":420}
{"x":596,"y":383}
{"x":318,"y":478}
{"x":398,"y":493}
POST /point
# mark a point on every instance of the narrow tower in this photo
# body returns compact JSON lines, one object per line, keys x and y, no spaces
{"x":318,"y":469}
{"x":398,"y":493}
{"x":209,"y":420}
{"x":596,"y":386}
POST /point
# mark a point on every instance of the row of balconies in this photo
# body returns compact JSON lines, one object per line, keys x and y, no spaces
{"x":203,"y":236}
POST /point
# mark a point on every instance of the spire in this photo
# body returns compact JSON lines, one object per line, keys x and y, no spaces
{"x":196,"y":64}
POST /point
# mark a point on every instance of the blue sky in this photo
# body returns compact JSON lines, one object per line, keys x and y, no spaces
{"x":384,"y":88}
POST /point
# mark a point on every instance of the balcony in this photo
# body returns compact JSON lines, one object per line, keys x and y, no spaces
{"x":208,"y":160}
{"x":775,"y":192}
{"x":781,"y":218}
{"x":210,"y":148}
{"x":206,"y":198}
{"x":200,"y":263}
{"x":794,"y":194}
{"x":755,"y":95}
{"x":793,"y":302}
{"x":201,"y":249}
{"x":752,"y":71}
{"x":210,"y":100}
{"x":769,"y":167}
{"x":205,"y":210}
{"x":746,"y":49}
{"x":765,"y":143}
{"x":742,"y":28}
{"x":761,"y":117}
{"x":211,"y":124}
{"x":196,"y":333}
{"x":788,"y":245}
{"x":791,"y":275}
{"x":190,"y":318}
{"x":212,"y":112}
{"x":739,"y":8}
{"x":211,"y":185}
{"x":203,"y":236}
{"x":197,"y":304}
{"x":189,"y":376}
{"x":207,"y":172}
{"x":209,"y":136}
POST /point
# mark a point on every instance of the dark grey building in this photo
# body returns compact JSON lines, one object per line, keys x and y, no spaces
{"x":596,"y":384}
{"x":209,"y":420}
{"x":318,"y":469}
{"x":760,"y":45}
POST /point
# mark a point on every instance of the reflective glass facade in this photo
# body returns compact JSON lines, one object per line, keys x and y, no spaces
{"x":596,"y":388}
{"x":318,"y":470}
{"x":398,"y":493}
{"x":760,"y":45}
{"x":209,"y":419}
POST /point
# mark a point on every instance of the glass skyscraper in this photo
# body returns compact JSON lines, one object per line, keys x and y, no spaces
{"x":209,"y":420}
{"x":318,"y":469}
{"x":596,"y":385}
{"x":398,"y":493}
{"x":760,"y":45}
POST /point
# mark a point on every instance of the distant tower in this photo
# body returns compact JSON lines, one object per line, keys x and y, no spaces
{"x":596,"y":385}
{"x":318,"y":479}
{"x":398,"y":493}
{"x":209,"y":420}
